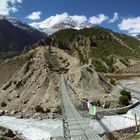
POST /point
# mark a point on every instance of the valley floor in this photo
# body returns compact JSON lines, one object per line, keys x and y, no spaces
{"x":44,"y":129}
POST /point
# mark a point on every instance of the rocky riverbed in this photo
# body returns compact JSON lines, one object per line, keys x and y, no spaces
{"x":8,"y":134}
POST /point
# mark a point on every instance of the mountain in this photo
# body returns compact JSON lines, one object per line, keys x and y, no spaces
{"x":56,"y":23}
{"x":15,"y":35}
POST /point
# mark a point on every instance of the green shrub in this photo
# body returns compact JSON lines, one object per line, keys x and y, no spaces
{"x":126,"y":93}
{"x":3,"y":138}
{"x":5,"y":55}
{"x":3,"y":104}
{"x":49,"y":49}
{"x":109,"y":60}
{"x":30,"y":55}
{"x":111,"y":69}
{"x":123,"y":100}
{"x":99,"y":66}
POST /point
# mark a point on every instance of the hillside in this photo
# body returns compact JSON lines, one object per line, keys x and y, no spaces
{"x":106,"y":50}
{"x":31,"y":85}
{"x":15,"y":35}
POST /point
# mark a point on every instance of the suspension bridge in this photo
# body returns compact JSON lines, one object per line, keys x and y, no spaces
{"x":76,"y":128}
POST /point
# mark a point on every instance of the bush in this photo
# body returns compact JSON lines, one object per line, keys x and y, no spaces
{"x":124,"y":61}
{"x":3,"y":104}
{"x":3,"y":138}
{"x":99,"y":66}
{"x":39,"y":108}
{"x":30,"y":55}
{"x":81,"y":57}
{"x":126,"y":93}
{"x":109,"y":60}
{"x":49,"y":49}
{"x":124,"y":101}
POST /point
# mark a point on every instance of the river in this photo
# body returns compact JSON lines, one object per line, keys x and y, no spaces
{"x":33,"y":129}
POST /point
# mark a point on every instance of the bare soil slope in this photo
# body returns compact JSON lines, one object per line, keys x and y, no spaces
{"x":10,"y":67}
{"x":34,"y":86}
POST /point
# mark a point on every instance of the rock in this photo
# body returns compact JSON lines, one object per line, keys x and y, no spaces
{"x":19,"y":116}
{"x":107,"y":105}
{"x":17,"y":96}
{"x":27,"y":66}
{"x":13,"y":112}
{"x":6,"y":132}
{"x":7,"y":113}
{"x":47,"y":110}
{"x":56,"y":110}
{"x":36,"y":115}
{"x":39,"y":118}
{"x":98,"y":103}
{"x":2,"y":112}
{"x":7,"y":85}
{"x":19,"y":84}
{"x":26,"y":101}
{"x":51,"y":116}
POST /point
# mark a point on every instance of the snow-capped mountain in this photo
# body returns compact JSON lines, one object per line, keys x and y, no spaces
{"x":63,"y":21}
{"x":14,"y":34}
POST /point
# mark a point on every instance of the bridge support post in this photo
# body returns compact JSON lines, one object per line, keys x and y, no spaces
{"x":136,"y":123}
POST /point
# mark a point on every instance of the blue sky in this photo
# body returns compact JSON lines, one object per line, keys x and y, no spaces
{"x":128,"y":11}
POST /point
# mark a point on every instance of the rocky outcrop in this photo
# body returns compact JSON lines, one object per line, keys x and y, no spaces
{"x":7,"y":134}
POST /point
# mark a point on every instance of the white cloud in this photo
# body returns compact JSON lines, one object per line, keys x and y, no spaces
{"x":98,"y":19}
{"x":115,"y":17}
{"x":9,"y":6}
{"x":131,"y":25}
{"x":34,"y":15}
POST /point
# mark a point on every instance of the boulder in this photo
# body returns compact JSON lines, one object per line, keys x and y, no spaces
{"x":56,"y":110}
{"x":2,"y":112}
{"x":13,"y":112}
{"x":47,"y":110}
{"x":6,"y":132}
{"x":19,"y":116}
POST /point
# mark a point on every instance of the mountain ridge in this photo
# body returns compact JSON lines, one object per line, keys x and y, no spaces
{"x":103,"y":47}
{"x":15,"y":35}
